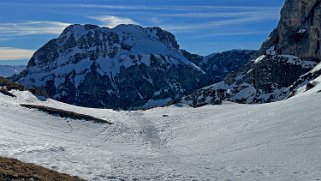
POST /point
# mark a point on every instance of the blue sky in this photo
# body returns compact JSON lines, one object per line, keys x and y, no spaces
{"x":200,"y":26}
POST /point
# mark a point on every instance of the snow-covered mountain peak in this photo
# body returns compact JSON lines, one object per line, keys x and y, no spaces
{"x":122,"y":42}
{"x":127,"y":33}
{"x":91,"y":61}
{"x":78,"y":30}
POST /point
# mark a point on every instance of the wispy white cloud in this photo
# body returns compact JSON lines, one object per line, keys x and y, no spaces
{"x":229,"y":33}
{"x":155,"y":20}
{"x":226,"y":23}
{"x":221,"y":14}
{"x":31,"y":28}
{"x":150,"y":6}
{"x":5,"y":38}
{"x":112,"y":21}
{"x":175,"y":8}
{"x":11,"y":53}
{"x":171,"y":21}
{"x":236,"y":33}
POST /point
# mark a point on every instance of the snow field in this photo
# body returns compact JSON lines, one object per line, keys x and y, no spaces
{"x":276,"y":141}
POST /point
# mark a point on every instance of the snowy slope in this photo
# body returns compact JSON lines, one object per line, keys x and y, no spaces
{"x":306,"y":82}
{"x":276,"y":141}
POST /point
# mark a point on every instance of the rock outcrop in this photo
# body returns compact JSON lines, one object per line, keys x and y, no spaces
{"x":7,"y":85}
{"x":218,"y":65}
{"x":298,"y":32}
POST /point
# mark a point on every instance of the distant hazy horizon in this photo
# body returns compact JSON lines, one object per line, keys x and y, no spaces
{"x":14,"y":62}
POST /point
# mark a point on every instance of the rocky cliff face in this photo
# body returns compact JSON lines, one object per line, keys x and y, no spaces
{"x":125,"y":67}
{"x":218,"y":65}
{"x":298,"y":32}
{"x":281,"y":66}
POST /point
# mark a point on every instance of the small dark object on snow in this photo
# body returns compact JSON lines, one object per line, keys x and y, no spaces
{"x":65,"y":114}
{"x":7,"y":93}
{"x":309,"y":86}
{"x":165,"y":115}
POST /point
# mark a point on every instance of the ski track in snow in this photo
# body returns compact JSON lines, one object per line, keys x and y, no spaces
{"x":276,"y":141}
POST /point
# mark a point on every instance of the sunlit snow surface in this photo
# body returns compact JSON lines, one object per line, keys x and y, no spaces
{"x":277,"y":141}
